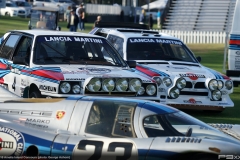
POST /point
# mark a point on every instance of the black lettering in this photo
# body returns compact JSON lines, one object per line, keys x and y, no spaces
{"x":98,"y":148}
{"x":127,"y":149}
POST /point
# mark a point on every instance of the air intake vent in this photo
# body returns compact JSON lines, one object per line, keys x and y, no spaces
{"x":183,"y":140}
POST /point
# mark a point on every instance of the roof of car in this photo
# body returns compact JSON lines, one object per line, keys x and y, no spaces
{"x":129,"y":32}
{"x":44,"y":8}
{"x":55,"y":33}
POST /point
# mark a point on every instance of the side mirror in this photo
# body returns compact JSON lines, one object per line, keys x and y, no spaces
{"x":199,"y":59}
{"x":20,"y":60}
{"x":132,"y":64}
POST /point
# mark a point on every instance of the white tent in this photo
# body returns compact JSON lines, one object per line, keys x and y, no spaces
{"x":159,"y":4}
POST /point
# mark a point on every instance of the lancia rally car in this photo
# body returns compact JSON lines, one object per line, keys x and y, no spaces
{"x":91,"y":127}
{"x":35,"y":63}
{"x":182,"y":81}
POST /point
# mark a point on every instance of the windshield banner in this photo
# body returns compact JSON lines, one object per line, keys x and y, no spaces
{"x":153,"y":40}
{"x":68,"y":39}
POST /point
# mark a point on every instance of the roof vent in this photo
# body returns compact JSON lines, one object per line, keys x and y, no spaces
{"x":157,"y":35}
{"x":145,"y":34}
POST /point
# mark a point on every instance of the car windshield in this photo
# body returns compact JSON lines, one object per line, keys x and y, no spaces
{"x":23,"y":4}
{"x":43,"y":20}
{"x":76,"y":50}
{"x":173,"y":124}
{"x":157,"y":49}
{"x":11,"y":5}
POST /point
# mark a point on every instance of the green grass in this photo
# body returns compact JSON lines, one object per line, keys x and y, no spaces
{"x":212,"y":57}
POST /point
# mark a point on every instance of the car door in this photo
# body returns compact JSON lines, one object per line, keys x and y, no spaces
{"x":7,"y":75}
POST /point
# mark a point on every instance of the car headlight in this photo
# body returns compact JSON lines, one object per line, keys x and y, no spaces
{"x":158,"y":80}
{"x":76,"y":88}
{"x":228,"y":84}
{"x":94,"y":85}
{"x":135,"y":85}
{"x":122,"y":84}
{"x":65,"y":87}
{"x":181,"y":83}
{"x":220,"y":84}
{"x":141,"y":91}
{"x":151,"y":89}
{"x":108,"y":85}
{"x":216,"y":95}
{"x":167,"y":81}
{"x":174,"y":93}
{"x":213,"y":84}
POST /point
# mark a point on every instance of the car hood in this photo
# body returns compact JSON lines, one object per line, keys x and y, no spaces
{"x":193,"y":71}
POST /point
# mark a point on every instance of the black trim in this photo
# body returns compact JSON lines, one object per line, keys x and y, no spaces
{"x":233,"y":73}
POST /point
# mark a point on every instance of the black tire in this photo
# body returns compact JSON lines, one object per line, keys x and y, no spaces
{"x":35,"y":94}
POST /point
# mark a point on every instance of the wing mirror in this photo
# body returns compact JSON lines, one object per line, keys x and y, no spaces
{"x":132,"y":64}
{"x":199,"y":59}
{"x":20,"y":60}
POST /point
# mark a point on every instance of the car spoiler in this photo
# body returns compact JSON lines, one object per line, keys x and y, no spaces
{"x":122,"y":25}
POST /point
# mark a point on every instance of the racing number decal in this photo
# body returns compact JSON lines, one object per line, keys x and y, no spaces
{"x":120,"y":149}
{"x":127,"y":149}
{"x":98,"y":148}
{"x":14,"y":83}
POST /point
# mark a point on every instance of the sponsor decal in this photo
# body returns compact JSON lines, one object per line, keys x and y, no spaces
{"x":237,"y":58}
{"x":223,"y":103}
{"x":11,"y":142}
{"x":75,"y":72}
{"x":37,"y":121}
{"x":76,"y":79}
{"x":39,"y":80}
{"x":192,"y":76}
{"x":192,"y":101}
{"x":47,"y":88}
{"x":148,"y":81}
{"x":96,"y":70}
{"x":69,"y":39}
{"x":153,"y":40}
{"x":60,"y":114}
{"x":23,"y":82}
{"x":177,"y":67}
{"x":237,"y":52}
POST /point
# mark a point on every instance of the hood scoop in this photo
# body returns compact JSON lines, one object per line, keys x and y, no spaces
{"x":185,"y":64}
{"x":183,"y":140}
{"x":153,"y":62}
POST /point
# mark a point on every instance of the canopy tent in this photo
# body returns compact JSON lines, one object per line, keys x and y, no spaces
{"x":159,"y":4}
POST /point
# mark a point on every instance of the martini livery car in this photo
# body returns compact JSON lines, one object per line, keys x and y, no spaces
{"x":36,"y":63}
{"x":87,"y":127}
{"x":182,"y":81}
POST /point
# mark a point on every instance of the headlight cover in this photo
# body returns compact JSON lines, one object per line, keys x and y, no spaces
{"x":135,"y":85}
{"x":220,"y":84}
{"x":65,"y":87}
{"x":158,"y":80}
{"x":141,"y":91}
{"x":108,"y":85}
{"x":122,"y":84}
{"x":181,"y":83}
{"x":167,"y":81}
{"x":151,"y":89}
{"x":94,"y":85}
{"x":213,"y":84}
{"x":174,"y":93}
{"x":216,"y":95}
{"x":229,"y":84}
{"x":76,"y":88}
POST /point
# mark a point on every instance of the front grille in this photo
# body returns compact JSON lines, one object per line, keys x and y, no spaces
{"x":21,"y":12}
{"x":198,"y":85}
{"x":193,"y":93}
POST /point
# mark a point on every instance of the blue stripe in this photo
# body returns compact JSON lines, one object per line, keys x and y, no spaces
{"x":216,"y":74}
{"x":234,"y":47}
{"x":154,"y":70}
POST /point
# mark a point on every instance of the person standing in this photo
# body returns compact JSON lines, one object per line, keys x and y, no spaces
{"x":73,"y":21}
{"x":159,"y":18}
{"x":150,"y":22}
{"x":99,"y":18}
{"x":141,"y":17}
{"x":67,"y":13}
{"x":122,"y":16}
{"x":81,"y":14}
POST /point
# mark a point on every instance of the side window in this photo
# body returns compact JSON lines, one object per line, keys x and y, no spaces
{"x":24,"y":47}
{"x":153,"y":127}
{"x":101,"y":34}
{"x":9,"y":46}
{"x":117,"y":42}
{"x":111,"y":119}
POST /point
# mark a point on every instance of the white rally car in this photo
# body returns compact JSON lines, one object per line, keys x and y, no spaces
{"x":36,"y":63}
{"x":182,"y":81}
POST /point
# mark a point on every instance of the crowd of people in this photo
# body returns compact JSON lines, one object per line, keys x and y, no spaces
{"x":76,"y":18}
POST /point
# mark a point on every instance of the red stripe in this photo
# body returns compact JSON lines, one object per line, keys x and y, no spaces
{"x":49,"y":74}
{"x":1,"y":80}
{"x":3,"y":66}
{"x":225,"y":77}
{"x":147,"y":71}
{"x":236,"y":42}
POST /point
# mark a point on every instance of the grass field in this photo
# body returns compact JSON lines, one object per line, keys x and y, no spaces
{"x":212,"y":57}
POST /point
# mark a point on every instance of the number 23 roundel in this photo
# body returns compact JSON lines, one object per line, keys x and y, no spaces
{"x":105,"y":149}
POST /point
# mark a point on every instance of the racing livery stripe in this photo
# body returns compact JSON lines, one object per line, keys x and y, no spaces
{"x":217,"y":74}
{"x":39,"y":77}
{"x":47,"y":74}
{"x":234,"y":42}
{"x":150,"y":71}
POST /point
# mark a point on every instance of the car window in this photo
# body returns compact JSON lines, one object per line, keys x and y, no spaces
{"x":111,"y":119}
{"x":11,"y":5}
{"x":75,"y":50}
{"x":9,"y":46}
{"x":24,"y":48}
{"x":117,"y":42}
{"x":157,"y":49}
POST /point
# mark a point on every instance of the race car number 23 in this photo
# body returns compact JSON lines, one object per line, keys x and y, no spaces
{"x":107,"y":149}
